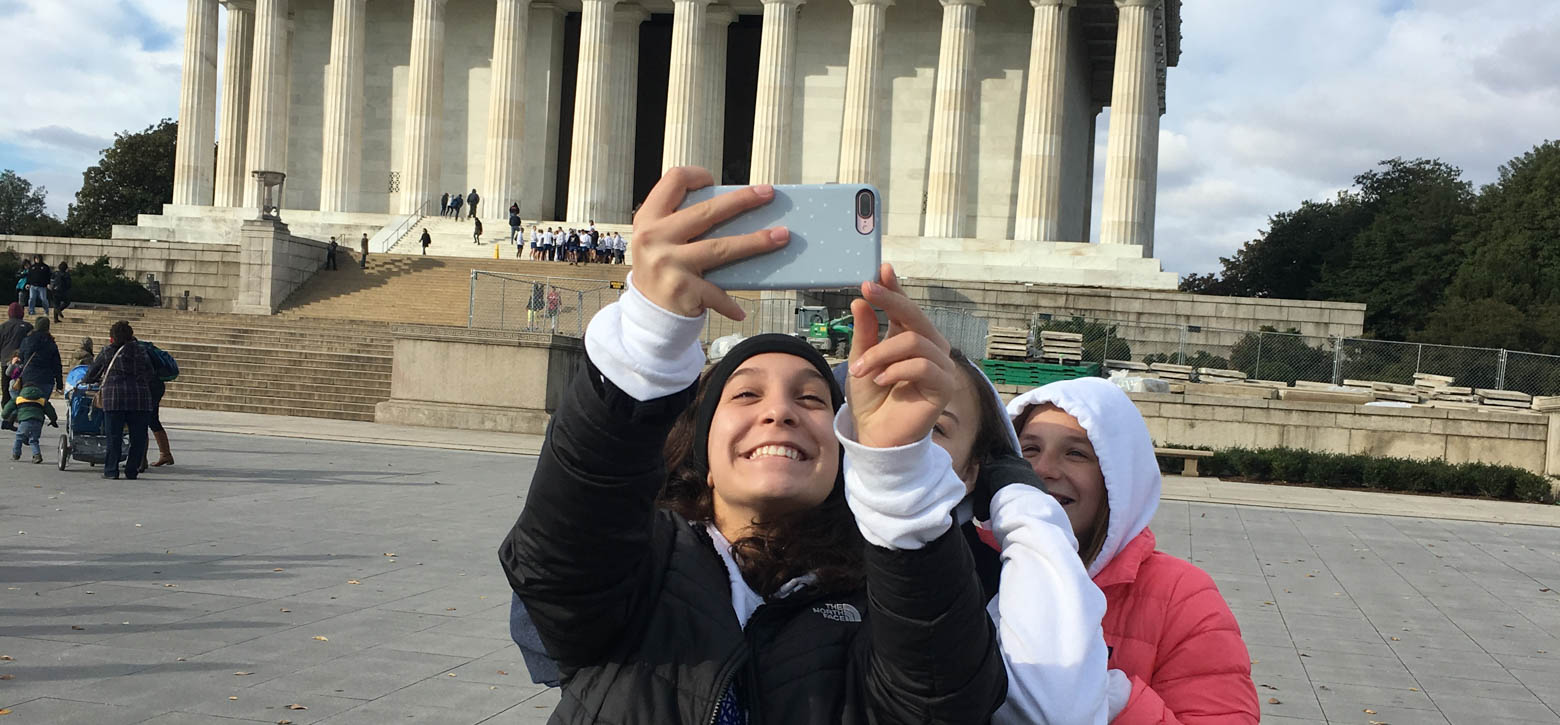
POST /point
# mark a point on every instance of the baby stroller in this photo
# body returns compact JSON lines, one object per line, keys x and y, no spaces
{"x":84,"y":438}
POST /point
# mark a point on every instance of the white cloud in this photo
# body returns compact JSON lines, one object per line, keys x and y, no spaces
{"x":1281,"y":102}
{"x":78,"y":72}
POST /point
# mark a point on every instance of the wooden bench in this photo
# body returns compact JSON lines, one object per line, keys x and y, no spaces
{"x":1188,"y":456}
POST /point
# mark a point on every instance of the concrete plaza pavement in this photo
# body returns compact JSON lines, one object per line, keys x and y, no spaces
{"x":360,"y":580}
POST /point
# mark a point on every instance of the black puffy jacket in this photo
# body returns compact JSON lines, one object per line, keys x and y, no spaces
{"x":635,"y":604}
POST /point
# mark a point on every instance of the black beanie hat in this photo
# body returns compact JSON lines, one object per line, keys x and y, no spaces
{"x":715,"y":379}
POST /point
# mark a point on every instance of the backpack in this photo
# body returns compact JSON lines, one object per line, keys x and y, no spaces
{"x":163,"y":365}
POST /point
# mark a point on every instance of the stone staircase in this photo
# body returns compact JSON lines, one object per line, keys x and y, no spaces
{"x":240,"y":363}
{"x":427,"y":290}
{"x":452,"y":238}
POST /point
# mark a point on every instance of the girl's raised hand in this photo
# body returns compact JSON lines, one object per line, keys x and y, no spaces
{"x":899,"y":384}
{"x":668,"y":268}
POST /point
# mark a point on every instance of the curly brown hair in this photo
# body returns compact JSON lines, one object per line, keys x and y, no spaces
{"x":823,"y":540}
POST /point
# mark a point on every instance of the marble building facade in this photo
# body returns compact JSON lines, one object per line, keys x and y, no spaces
{"x":976,"y":118}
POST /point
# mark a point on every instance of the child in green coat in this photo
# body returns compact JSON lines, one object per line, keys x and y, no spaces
{"x":28,"y":409}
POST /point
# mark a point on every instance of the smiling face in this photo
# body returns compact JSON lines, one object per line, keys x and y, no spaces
{"x":771,"y":445}
{"x":1058,"y":449}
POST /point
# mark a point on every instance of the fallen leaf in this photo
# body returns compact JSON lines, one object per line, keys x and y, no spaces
{"x":283,"y":722}
{"x":181,"y":659}
{"x":4,"y":711}
{"x":241,"y":674}
{"x":296,"y":706}
{"x":277,"y":569}
{"x":1545,"y":589}
{"x":232,"y":697}
{"x":1395,"y":639}
{"x":284,"y":609}
{"x":1413,"y":689}
{"x":322,"y":639}
{"x":77,"y":627}
{"x":389,"y":553}
{"x":170,"y":585}
{"x":353,"y":581}
{"x":449,"y":609}
{"x":7,"y":677}
{"x":1270,"y":687}
{"x":1273,"y":701}
{"x":6,"y":658}
{"x":449,"y":674}
{"x":1369,"y":711}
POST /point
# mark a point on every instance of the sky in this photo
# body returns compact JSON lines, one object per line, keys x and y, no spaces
{"x":1274,"y":101}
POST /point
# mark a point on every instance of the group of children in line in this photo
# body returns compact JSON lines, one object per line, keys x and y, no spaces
{"x":575,"y":246}
{"x":774,"y":540}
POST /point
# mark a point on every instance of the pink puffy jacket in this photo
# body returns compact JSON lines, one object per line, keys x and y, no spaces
{"x":1170,"y":631}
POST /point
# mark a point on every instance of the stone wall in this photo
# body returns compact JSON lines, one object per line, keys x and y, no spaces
{"x":477,"y":380}
{"x":1524,"y":440}
{"x":272,"y":264}
{"x":207,"y":271}
{"x":1153,"y":318}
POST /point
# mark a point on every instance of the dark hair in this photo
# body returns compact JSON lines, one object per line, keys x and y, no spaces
{"x":823,"y":540}
{"x":991,"y":438}
{"x":121,"y":332}
{"x":1090,"y":548}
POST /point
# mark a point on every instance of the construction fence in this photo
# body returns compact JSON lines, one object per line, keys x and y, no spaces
{"x":565,"y":305}
{"x":1287,"y":357}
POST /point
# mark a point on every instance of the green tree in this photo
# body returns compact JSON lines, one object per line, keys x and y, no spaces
{"x":1287,"y":260}
{"x":134,"y":176}
{"x":22,"y":208}
{"x":1507,"y":292}
{"x":1401,"y":263}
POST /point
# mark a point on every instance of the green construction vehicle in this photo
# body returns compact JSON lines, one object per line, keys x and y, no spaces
{"x":832,"y":337}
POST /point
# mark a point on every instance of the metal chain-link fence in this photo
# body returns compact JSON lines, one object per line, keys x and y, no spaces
{"x":554,"y":305}
{"x":1287,"y":357}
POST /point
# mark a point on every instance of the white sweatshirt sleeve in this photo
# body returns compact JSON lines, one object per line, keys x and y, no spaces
{"x":902,"y":497}
{"x":645,"y":350}
{"x":1047,"y":612}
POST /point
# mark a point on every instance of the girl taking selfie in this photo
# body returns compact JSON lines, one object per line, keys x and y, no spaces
{"x":742,"y":596}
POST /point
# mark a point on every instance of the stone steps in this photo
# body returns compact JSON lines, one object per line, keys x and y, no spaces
{"x":302,"y":365}
{"x":429,"y":290}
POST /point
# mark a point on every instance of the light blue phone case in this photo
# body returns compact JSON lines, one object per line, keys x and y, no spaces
{"x":826,"y":250}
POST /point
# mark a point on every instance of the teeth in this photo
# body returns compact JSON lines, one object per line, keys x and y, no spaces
{"x":785,"y":451}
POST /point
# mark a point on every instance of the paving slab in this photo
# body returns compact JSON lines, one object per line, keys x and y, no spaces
{"x":1346,"y":604}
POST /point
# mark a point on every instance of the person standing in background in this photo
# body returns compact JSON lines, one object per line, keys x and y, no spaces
{"x":363,"y":259}
{"x":61,"y":290}
{"x":471,"y":204}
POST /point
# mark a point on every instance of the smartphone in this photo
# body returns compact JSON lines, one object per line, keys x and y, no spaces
{"x":836,"y":238}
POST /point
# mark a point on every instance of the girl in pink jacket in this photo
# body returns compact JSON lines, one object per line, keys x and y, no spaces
{"x":1176,"y":654}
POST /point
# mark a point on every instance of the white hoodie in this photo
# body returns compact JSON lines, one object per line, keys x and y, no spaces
{"x":1121,"y":445}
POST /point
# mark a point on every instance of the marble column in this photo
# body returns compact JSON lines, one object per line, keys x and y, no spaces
{"x":945,"y":178}
{"x":194,"y":165}
{"x":625,"y":112}
{"x":588,"y":182}
{"x":720,"y":18}
{"x":420,"y":164}
{"x":505,"y":172}
{"x":341,"y":164}
{"x":236,"y":58}
{"x":858,"y":129}
{"x":1132,"y":153}
{"x":684,"y":85}
{"x":266,"y":146}
{"x":776,"y":89}
{"x":1040,"y":157}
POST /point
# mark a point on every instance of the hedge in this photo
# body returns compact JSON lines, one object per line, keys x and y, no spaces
{"x":99,"y":282}
{"x":1341,"y":470}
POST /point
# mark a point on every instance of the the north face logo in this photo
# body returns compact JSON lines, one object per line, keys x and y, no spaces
{"x":838,"y":612}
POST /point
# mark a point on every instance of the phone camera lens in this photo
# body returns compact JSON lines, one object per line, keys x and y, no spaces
{"x":864,"y":204}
